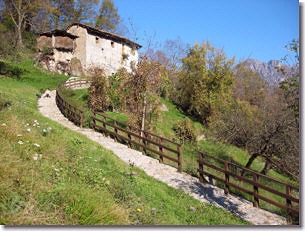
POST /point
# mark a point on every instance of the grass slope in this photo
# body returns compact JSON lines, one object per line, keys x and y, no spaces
{"x":52,"y":176}
{"x":164,"y":126}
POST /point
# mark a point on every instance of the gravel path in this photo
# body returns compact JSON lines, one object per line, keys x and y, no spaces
{"x":203,"y":192}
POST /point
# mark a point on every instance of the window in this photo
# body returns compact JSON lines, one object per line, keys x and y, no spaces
{"x":112,"y":44}
{"x":96,"y":40}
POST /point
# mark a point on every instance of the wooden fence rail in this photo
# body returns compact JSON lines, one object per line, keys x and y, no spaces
{"x":69,"y":111}
{"x":255,"y":180}
{"x":77,"y":83}
{"x":148,"y":141}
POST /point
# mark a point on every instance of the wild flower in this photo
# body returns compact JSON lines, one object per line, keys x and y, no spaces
{"x":36,"y":145}
{"x":192,"y":208}
{"x":49,"y":128}
{"x":139,"y":210}
{"x":153,"y":209}
{"x":35,"y":157}
{"x":27,"y":124}
{"x":40,"y":156}
{"x":131,"y":163}
{"x":56,"y":170}
{"x":28,"y":130}
{"x":134,"y":173}
{"x":3,"y":124}
{"x":19,"y":135}
{"x":20,"y":142}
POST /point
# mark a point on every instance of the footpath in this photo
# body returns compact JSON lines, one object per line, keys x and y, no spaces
{"x":205,"y":193}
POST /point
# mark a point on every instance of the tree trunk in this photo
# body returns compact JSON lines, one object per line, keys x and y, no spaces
{"x":20,"y":44}
{"x":267,"y":167}
{"x":250,"y":161}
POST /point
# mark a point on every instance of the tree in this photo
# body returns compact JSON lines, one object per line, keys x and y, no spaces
{"x":84,"y":11}
{"x":62,"y":13}
{"x":108,"y":17}
{"x":291,"y":86}
{"x":175,"y":51}
{"x":142,"y":89}
{"x":267,"y":131}
{"x":263,"y":122}
{"x":205,"y":82}
{"x":249,"y":85}
{"x":20,"y":12}
{"x":98,"y":91}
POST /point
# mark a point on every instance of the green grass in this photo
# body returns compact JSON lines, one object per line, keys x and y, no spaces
{"x":53,"y":176}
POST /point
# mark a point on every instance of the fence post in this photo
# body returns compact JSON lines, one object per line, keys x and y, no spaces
{"x":115,"y":130}
{"x":144,"y":141}
{"x":161,"y":150}
{"x":129,"y":136}
{"x":81,"y":119}
{"x":227,"y":179}
{"x":200,"y":169}
{"x":179,"y":159}
{"x":93,"y":120}
{"x":255,"y":191}
{"x":104,"y":122}
{"x":288,"y":203}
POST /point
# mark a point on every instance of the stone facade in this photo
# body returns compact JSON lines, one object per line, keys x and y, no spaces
{"x":88,"y":47}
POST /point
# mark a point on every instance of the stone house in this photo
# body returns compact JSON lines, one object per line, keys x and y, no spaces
{"x":81,"y":48}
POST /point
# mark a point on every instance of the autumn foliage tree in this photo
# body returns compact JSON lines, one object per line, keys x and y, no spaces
{"x":142,"y":91}
{"x":205,"y":81}
{"x":108,"y":17}
{"x":264,"y":122}
{"x":98,"y":99}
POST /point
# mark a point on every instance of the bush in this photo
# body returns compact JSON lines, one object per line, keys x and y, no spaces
{"x":10,"y":70}
{"x":98,"y":99}
{"x":185,"y":131}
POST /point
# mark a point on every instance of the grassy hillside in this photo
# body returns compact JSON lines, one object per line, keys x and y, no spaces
{"x":164,"y":126}
{"x":51,"y":175}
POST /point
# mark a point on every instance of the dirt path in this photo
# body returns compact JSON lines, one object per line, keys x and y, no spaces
{"x":203,"y":192}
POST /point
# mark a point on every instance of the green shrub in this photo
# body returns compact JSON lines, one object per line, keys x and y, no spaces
{"x":185,"y":130}
{"x":11,"y":70}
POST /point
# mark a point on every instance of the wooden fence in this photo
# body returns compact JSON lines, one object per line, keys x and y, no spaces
{"x":148,"y":141}
{"x":253,"y":182}
{"x":71,"y":112}
{"x":77,"y":83}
